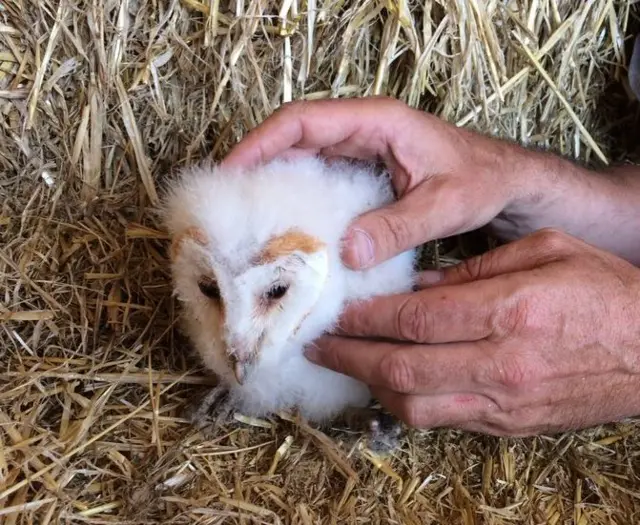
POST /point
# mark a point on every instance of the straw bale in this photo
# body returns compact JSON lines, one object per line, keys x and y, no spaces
{"x":100,"y":100}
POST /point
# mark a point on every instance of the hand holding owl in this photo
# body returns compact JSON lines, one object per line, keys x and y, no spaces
{"x":449,"y":180}
{"x":538,"y":335}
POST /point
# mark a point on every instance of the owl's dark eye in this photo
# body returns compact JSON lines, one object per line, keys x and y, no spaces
{"x":277,"y":292}
{"x":209,"y":288}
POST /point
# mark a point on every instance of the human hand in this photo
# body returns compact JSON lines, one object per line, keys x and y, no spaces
{"x":537,"y":336}
{"x":448,"y":180}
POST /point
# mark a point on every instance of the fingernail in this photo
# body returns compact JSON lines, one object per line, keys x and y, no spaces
{"x":431,"y":276}
{"x":312,"y":354}
{"x":359,"y":248}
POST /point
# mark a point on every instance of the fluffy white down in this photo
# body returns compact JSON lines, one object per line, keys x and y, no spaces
{"x":240,"y":210}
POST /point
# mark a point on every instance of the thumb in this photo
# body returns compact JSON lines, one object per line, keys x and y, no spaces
{"x":439,"y":207}
{"x":377,"y":236}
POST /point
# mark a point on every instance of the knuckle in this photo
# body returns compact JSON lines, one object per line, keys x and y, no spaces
{"x":508,"y":417}
{"x":503,"y":424}
{"x":397,"y":231}
{"x":415,"y":321}
{"x":510,"y":372}
{"x":497,"y":431}
{"x":390,"y":103}
{"x":504,"y":402}
{"x":397,"y":373}
{"x":293,"y":110}
{"x":552,"y":240}
{"x":409,"y":413}
{"x":514,"y":319}
{"x":518,"y":422}
{"x":294,"y":106}
{"x":474,"y":268}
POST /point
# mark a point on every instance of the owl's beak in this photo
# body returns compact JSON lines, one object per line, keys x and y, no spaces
{"x":241,"y":355}
{"x":240,"y":368}
{"x":240,"y":371}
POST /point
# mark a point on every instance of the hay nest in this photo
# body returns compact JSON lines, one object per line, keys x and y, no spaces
{"x":100,"y":99}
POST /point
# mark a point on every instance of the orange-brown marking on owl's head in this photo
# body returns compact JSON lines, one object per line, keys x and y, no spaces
{"x":218,"y":314}
{"x":193,"y":233}
{"x":281,"y":246}
{"x":199,"y":237}
{"x":287,"y":243}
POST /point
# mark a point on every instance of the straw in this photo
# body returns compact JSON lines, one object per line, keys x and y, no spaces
{"x":100,"y":101}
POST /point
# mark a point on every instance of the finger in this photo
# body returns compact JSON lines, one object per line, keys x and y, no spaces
{"x":538,"y":249}
{"x":444,"y":314}
{"x":408,"y":369}
{"x":448,"y":410}
{"x":476,"y":413}
{"x":428,"y":278}
{"x":295,"y":152}
{"x":353,"y":124}
{"x":568,"y":404}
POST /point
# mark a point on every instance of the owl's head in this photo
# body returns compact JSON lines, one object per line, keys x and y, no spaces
{"x":244,"y":307}
{"x":256,"y":255}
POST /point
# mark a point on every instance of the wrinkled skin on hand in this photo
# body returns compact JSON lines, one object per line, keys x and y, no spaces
{"x":537,"y":336}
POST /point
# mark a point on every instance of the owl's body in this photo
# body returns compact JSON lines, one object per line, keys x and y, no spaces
{"x":267,"y":243}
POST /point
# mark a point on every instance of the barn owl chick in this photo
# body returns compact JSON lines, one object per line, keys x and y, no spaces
{"x":256,"y":265}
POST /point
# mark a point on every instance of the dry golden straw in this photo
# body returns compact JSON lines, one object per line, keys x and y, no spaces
{"x":100,"y":99}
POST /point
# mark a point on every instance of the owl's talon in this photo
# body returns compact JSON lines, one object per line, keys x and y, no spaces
{"x":383,"y":431}
{"x":384,"y":437}
{"x":213,"y":409}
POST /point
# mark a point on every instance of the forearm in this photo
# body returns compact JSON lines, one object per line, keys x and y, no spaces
{"x":601,"y":208}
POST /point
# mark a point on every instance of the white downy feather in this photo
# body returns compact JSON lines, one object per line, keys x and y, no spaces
{"x":239,"y":211}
